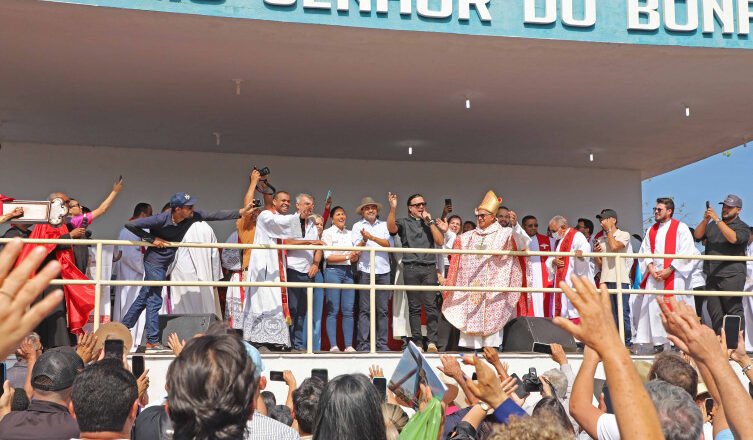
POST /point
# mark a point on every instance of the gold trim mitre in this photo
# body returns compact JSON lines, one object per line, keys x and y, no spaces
{"x":490,"y":203}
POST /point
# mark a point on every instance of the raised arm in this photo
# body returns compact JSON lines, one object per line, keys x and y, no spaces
{"x":105,"y":205}
{"x":391,"y":224}
{"x":248,"y":198}
{"x":581,"y":396}
{"x":597,"y":330}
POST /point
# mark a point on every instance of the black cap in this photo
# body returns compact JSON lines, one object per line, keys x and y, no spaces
{"x":607,"y":213}
{"x":56,"y":369}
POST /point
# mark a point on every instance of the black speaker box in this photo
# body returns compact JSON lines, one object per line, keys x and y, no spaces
{"x":521,"y":333}
{"x":185,"y":326}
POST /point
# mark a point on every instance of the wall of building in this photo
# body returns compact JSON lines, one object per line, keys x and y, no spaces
{"x":32,"y":171}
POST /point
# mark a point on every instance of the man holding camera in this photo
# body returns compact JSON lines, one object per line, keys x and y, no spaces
{"x":724,"y":236}
{"x":162,"y":230}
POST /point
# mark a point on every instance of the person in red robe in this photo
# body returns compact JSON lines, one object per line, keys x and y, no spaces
{"x":69,"y":317}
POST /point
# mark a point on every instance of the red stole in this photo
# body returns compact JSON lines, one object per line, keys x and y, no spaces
{"x":79,"y":299}
{"x":670,"y":247}
{"x":566,"y":245}
{"x":281,"y":254}
{"x":525,"y":304}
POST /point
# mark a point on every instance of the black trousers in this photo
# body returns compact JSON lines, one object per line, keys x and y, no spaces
{"x":718,"y":306}
{"x":422,"y":275}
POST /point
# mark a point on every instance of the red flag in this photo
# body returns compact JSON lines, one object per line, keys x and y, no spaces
{"x":79,"y":299}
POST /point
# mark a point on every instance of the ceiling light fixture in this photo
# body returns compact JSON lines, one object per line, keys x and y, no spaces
{"x":410,"y":151}
{"x":217,"y":136}
{"x":467,"y":103}
{"x":237,"y":82}
{"x":590,"y":157}
{"x":687,"y":111}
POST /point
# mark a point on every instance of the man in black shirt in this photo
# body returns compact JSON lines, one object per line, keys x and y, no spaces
{"x":418,"y":230}
{"x":726,"y":236}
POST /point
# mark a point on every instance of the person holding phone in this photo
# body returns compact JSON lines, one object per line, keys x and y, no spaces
{"x":727,"y":236}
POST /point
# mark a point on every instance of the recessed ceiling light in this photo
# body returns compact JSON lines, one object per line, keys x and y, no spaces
{"x":467,"y":103}
{"x":410,"y":151}
{"x":687,"y":112}
{"x":590,"y":157}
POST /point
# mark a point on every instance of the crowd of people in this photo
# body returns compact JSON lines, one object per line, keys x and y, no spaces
{"x":216,"y":384}
{"x":275,"y":318}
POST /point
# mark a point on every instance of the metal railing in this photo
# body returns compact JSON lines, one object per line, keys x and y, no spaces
{"x":98,"y":282}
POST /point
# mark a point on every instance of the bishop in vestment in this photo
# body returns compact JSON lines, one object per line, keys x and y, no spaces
{"x":480,"y":316}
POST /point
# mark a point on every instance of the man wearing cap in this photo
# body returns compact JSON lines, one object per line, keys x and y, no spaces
{"x":161,"y":230}
{"x":372,"y":232}
{"x":47,"y":416}
{"x":480,"y":316}
{"x":726,"y":236}
{"x":613,"y":240}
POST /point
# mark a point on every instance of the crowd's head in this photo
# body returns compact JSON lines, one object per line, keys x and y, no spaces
{"x":53,"y":374}
{"x":281,"y":202}
{"x":306,"y":402}
{"x":105,"y":398}
{"x":350,"y":407}
{"x":679,"y":416}
{"x":530,"y":225}
{"x":211,"y":388}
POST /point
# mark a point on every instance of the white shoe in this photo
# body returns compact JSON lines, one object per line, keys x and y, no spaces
{"x":432,"y":348}
{"x":350,"y":350}
{"x":335,"y":349}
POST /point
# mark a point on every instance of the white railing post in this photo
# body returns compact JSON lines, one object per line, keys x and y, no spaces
{"x":309,"y":319}
{"x":372,"y":301}
{"x":97,"y":286}
{"x":620,"y":320}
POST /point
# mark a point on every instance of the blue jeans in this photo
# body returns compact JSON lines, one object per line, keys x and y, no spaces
{"x":625,"y":309}
{"x":298,"y":308}
{"x":150,"y":298}
{"x":337,"y":299}
{"x":317,"y":313}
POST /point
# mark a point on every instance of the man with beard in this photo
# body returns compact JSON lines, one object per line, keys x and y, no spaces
{"x":480,"y":316}
{"x":667,"y":236}
{"x":726,"y":236}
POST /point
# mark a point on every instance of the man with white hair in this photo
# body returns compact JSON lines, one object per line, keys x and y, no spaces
{"x":302,"y":266}
{"x":562,"y":268}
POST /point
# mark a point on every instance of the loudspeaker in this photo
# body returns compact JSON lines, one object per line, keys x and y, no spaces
{"x":521,"y":333}
{"x":185,"y":326}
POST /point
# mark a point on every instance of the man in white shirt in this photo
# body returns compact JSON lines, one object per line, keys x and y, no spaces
{"x":613,"y":240}
{"x":371,"y":232}
{"x":561,"y":268}
{"x":302,"y":266}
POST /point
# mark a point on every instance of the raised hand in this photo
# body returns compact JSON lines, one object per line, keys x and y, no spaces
{"x":597,"y":328}
{"x":451,"y":367}
{"x":19,"y":289}
{"x":392,"y":200}
{"x":175,"y":344}
{"x":375,"y":371}
{"x":489,"y":389}
{"x":85,"y":348}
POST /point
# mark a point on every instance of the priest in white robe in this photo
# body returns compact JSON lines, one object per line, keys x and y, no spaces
{"x":666,"y":236}
{"x":129,"y":266}
{"x":748,"y":300}
{"x":562,"y":268}
{"x":196,"y":264}
{"x":231,"y":261}
{"x":539,"y":278}
{"x":265,"y":311}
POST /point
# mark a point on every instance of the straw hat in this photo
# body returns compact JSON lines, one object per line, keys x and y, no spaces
{"x":113,"y":330}
{"x":366,"y":201}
